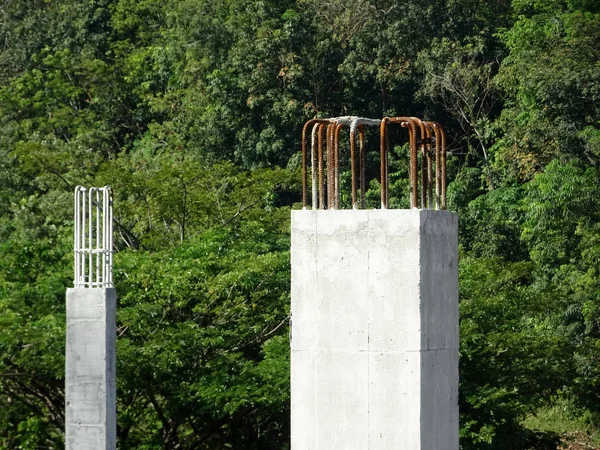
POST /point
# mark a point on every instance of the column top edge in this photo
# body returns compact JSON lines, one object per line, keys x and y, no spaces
{"x":363,"y":212}
{"x":94,"y":289}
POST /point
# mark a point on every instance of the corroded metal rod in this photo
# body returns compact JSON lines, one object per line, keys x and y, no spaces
{"x":353,"y":166}
{"x":429,"y":166}
{"x":307,"y":125}
{"x":314,"y":164}
{"x":361,"y":146}
{"x":411,"y":125}
{"x":326,"y":186}
{"x":383,"y":154}
{"x":321,"y":185}
{"x":330,"y":164}
{"x":336,"y":174}
{"x":356,"y":125}
{"x":443,"y":164}
{"x":438,"y":178}
{"x":421,"y":143}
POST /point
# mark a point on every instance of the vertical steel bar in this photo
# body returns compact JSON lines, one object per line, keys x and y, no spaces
{"x":82,"y":237}
{"x":90,"y":241}
{"x":321,"y":183}
{"x":105,"y":238}
{"x":110,"y":241}
{"x":80,"y":205}
{"x":438,"y":176}
{"x":110,"y":236}
{"x":414,"y":167}
{"x":98,"y":229}
{"x":336,"y":174}
{"x":81,"y":242}
{"x":313,"y":165}
{"x":305,"y":129}
{"x":330,"y":165}
{"x":409,"y":123}
{"x":104,"y":227}
{"x":443,"y":168}
{"x":423,"y":162}
{"x":353,"y":166}
{"x":76,"y":237}
{"x":361,"y":145}
{"x":383,"y":161}
{"x":304,"y":166}
{"x":429,"y":166}
{"x":387,"y":168}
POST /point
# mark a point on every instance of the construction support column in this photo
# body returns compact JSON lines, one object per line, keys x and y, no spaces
{"x":374,"y":333}
{"x":90,"y":378}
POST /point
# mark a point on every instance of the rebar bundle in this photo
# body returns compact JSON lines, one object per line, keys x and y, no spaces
{"x":93,"y":237}
{"x":425,"y":138}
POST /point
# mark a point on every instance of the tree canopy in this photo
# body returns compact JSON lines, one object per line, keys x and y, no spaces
{"x":192,"y":111}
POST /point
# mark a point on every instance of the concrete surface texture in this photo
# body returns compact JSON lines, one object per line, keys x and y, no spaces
{"x":90,"y":379}
{"x":374,"y":334}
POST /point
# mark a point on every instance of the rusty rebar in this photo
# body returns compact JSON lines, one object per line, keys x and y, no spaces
{"x":383,"y":154}
{"x":362,"y":150}
{"x":387,"y":168}
{"x":438,"y":177}
{"x":358,"y":123}
{"x":304,"y":162}
{"x":353,"y":166}
{"x":421,"y":143}
{"x":409,"y":123}
{"x":321,"y":184}
{"x":428,"y":139}
{"x":336,"y":152}
{"x":313,"y":166}
{"x":326,"y":187}
{"x":441,"y":149}
{"x":443,"y":164}
{"x":330,"y":164}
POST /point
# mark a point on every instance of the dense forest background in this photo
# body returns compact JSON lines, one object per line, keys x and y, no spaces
{"x":192,"y":111}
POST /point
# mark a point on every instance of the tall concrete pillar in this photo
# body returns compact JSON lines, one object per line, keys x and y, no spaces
{"x":374,"y":335}
{"x":90,"y":378}
{"x":90,"y":372}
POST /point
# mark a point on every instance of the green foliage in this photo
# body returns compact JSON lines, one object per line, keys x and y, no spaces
{"x":564,"y":203}
{"x":34,"y":273}
{"x":200,"y":340}
{"x":459,"y":77}
{"x":192,"y":111}
{"x":512,"y":355}
{"x":491,"y":225}
{"x":551,"y":77}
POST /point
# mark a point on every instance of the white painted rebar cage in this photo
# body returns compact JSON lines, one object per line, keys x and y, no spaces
{"x":93,"y":237}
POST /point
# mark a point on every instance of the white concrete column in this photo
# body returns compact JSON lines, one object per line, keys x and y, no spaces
{"x":90,"y":378}
{"x":374,"y":335}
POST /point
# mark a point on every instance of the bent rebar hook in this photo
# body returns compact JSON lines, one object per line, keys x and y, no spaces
{"x":326,"y":192}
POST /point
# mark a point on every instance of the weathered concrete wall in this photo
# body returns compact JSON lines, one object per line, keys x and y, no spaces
{"x":90,"y":379}
{"x":374,"y":333}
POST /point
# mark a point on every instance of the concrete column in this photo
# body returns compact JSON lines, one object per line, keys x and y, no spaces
{"x":90,"y":381}
{"x":374,"y":335}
